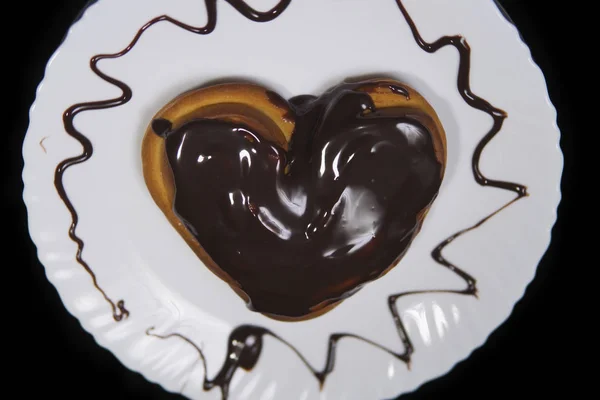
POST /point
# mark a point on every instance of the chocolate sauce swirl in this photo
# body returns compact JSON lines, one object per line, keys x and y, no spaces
{"x":245,"y":342}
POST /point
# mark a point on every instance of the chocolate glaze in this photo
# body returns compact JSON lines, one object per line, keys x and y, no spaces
{"x":309,"y":226}
{"x":246,"y":352}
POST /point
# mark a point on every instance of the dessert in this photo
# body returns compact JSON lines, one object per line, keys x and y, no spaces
{"x":296,"y":204}
{"x":245,"y":341}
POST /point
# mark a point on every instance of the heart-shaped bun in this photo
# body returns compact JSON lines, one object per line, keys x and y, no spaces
{"x":274,"y":120}
{"x":246,"y":103}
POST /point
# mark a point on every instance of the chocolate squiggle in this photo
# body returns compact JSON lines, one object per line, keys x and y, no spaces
{"x":245,"y":341}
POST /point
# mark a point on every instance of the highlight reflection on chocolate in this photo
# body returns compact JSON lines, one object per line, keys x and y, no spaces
{"x":244,"y":352}
{"x":302,"y":229}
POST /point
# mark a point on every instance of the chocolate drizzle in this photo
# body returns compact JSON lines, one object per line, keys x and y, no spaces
{"x":245,"y":342}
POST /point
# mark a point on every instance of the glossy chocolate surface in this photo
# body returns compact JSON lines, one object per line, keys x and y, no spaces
{"x":306,"y":227}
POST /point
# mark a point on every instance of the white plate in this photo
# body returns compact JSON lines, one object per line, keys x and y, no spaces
{"x":138,"y":257}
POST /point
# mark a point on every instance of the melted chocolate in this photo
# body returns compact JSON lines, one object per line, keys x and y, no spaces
{"x":243,"y":351}
{"x":308,"y":227}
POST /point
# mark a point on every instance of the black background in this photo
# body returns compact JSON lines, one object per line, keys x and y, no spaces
{"x":532,"y":354}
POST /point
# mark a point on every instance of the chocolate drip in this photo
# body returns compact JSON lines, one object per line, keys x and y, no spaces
{"x":161,"y":127}
{"x":245,"y":342}
{"x":399,"y":90}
